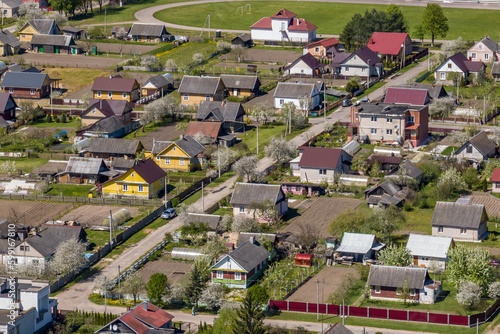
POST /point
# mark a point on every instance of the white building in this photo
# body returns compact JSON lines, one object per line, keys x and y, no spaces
{"x":460,"y":65}
{"x":305,"y":96}
{"x":429,"y":251}
{"x":33,"y":309}
{"x":362,"y":62}
{"x":283,"y":27}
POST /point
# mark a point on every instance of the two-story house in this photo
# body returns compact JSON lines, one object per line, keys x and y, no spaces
{"x":184,"y":154}
{"x":37,"y":27}
{"x":284,"y":26}
{"x":460,"y":65}
{"x":194,"y":89}
{"x":462,"y":222}
{"x":115,"y":88}
{"x":390,"y":123}
{"x":362,"y":63}
{"x":486,"y":50}
{"x":100,"y":109}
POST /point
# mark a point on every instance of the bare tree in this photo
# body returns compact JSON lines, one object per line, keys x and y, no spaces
{"x":308,"y":236}
{"x":238,"y":52}
{"x":133,"y":284}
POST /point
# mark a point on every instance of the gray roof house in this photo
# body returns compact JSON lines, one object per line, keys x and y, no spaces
{"x":84,"y":170}
{"x":11,"y":7}
{"x":161,"y":83}
{"x":195,"y":89}
{"x":54,"y":44}
{"x":9,"y":44}
{"x":149,"y":32}
{"x":477,"y":149}
{"x":385,"y":194}
{"x":241,"y":267}
{"x":360,"y":246}
{"x":229,"y":113}
{"x":386,"y":281}
{"x":361,"y":63}
{"x":462,"y":222}
{"x":247,"y":195}
{"x":212,"y":221}
{"x":106,"y":148}
{"x":429,"y":251}
{"x":495,"y":71}
{"x":298,"y":94}
{"x":337,"y":328}
{"x":41,"y":26}
{"x":27,"y":84}
{"x":187,"y":143}
{"x":405,"y":170}
{"x":241,"y":85}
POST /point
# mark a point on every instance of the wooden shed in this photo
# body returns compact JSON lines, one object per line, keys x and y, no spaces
{"x":304,"y":260}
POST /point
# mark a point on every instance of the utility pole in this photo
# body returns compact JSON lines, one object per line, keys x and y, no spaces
{"x":257,"y":138}
{"x":343,"y":311}
{"x":202,"y":199}
{"x":458,"y":84}
{"x":105,"y":14}
{"x":208,"y":25}
{"x":324,"y":96}
{"x":317,"y":296}
{"x":368,"y":75}
{"x":218,"y":157}
{"x":428,"y":59}
{"x":289,"y":120}
{"x":119,"y":287}
{"x":105,"y":294}
{"x":110,"y":229}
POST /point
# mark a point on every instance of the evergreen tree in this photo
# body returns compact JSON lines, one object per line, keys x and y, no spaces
{"x":195,"y":286}
{"x":249,"y":317}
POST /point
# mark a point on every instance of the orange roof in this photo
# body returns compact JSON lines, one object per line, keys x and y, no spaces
{"x":153,"y":316}
{"x":208,"y":129}
{"x":284,"y":14}
{"x":496,"y":175}
{"x":329,"y":42}
{"x":413,"y":127}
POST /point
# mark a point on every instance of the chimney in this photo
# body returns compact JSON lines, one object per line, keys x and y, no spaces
{"x":111,"y":76}
{"x":145,"y":306}
{"x":252,"y":240}
{"x":182,"y":137}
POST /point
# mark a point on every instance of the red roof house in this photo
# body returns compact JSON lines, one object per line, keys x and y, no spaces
{"x":390,"y":44}
{"x":412,"y":96}
{"x":143,"y":318}
{"x":320,"y":48}
{"x":319,"y":164}
{"x":495,"y":181}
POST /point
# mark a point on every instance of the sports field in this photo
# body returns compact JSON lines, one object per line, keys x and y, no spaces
{"x":470,"y":24}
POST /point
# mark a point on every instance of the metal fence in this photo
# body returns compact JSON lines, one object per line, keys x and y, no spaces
{"x":386,"y":314}
{"x":85,"y":200}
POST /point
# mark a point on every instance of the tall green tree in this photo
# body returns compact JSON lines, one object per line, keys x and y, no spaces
{"x":196,"y":285}
{"x":395,"y":256}
{"x":469,"y":264}
{"x":397,"y":21}
{"x":157,"y":287}
{"x":434,"y":21}
{"x":249,"y":317}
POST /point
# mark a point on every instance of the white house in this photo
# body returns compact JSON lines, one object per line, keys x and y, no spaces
{"x":459,"y":64}
{"x":362,"y":62}
{"x":305,"y":96}
{"x":31,"y":306}
{"x":283,"y":26}
{"x":306,"y":66}
{"x":429,"y":251}
{"x":320,"y":164}
{"x":477,"y":149}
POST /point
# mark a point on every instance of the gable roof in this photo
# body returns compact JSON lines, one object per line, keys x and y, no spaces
{"x":88,"y":166}
{"x":395,"y":277}
{"x":359,"y":243}
{"x":122,"y":163}
{"x":6,"y":38}
{"x":284,"y":14}
{"x":410,"y":169}
{"x":248,"y":255}
{"x":435,"y":91}
{"x":412,"y":96}
{"x":368,"y":55}
{"x":71,"y":29}
{"x":190,"y":146}
{"x":240,"y":81}
{"x":263,"y":23}
{"x":309,"y":60}
{"x":249,"y":193}
{"x":6,"y":102}
{"x":387,"y":43}
{"x":464,"y":64}
{"x":159,"y":81}
{"x":388,"y":186}
{"x":261,"y":237}
{"x":51,"y":236}
{"x":51,"y":167}
{"x":491,"y":44}
{"x":114,"y":145}
{"x":208,"y":129}
{"x":320,"y":157}
{"x":149,"y":170}
{"x":428,"y":245}
{"x":211,"y":220}
{"x":107,"y":125}
{"x":12,"y":3}
{"x":114,"y":84}
{"x":223,"y":111}
{"x":301,"y":25}
{"x":56,"y":40}
{"x":199,"y":85}
{"x":29,"y":80}
{"x":496,"y":175}
{"x":109,"y":107}
{"x":243,"y":37}
{"x":147,"y":29}
{"x":326,"y":43}
{"x":482,"y":143}
{"x":43,"y":26}
{"x":495,"y":69}
{"x":293,"y":90}
{"x":458,"y":215}
{"x":337,"y":328}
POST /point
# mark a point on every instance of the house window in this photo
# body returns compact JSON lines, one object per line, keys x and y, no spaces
{"x":473,"y":55}
{"x":158,"y":157}
{"x":373,"y":131}
{"x":237,"y":276}
{"x":167,"y":161}
{"x":389,"y":120}
{"x":24,"y":248}
{"x":347,"y":68}
{"x":440,"y":229}
{"x":141,"y":188}
{"x":282,"y":101}
{"x":133,"y":174}
{"x":479,"y":47}
{"x":220,"y":274}
{"x":124,"y":95}
{"x":24,"y":35}
{"x":363,"y":70}
{"x":486,"y":56}
{"x":374,"y":118}
{"x":185,"y":97}
{"x":35,"y":262}
{"x":469,"y":149}
{"x":388,"y":132}
{"x":411,"y":119}
{"x":207,"y":97}
{"x":316,"y":49}
{"x":32,"y":91}
{"x":173,"y":148}
{"x":301,"y":71}
{"x":110,"y":94}
{"x":242,"y":209}
{"x":377,"y":289}
{"x":412,"y":292}
{"x":125,"y":187}
{"x":181,"y":161}
{"x":442,"y":76}
{"x":161,"y":181}
{"x":398,"y":292}
{"x":322,"y":172}
{"x":449,"y":65}
{"x":11,"y":90}
{"x":463,"y":230}
{"x":99,"y":93}
{"x":283,"y":26}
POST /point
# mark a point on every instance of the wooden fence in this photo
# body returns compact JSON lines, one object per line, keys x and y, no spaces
{"x":85,"y":200}
{"x":386,"y":314}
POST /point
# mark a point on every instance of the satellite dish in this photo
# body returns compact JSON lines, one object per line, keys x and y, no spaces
{"x":115,"y":327}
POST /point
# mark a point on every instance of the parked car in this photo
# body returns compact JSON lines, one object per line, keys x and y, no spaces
{"x":169,"y":214}
{"x":346,"y":103}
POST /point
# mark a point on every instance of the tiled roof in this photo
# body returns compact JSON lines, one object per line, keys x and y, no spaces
{"x":114,"y":84}
{"x":412,"y":96}
{"x":496,"y":175}
{"x":368,"y":55}
{"x":320,"y":157}
{"x":327,"y":42}
{"x":458,"y":215}
{"x":309,"y":60}
{"x":208,"y":129}
{"x":464,"y":64}
{"x":301,"y":25}
{"x":263,"y":23}
{"x":284,"y":14}
{"x":387,"y":43}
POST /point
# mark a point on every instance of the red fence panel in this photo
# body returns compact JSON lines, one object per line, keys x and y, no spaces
{"x":358,"y":311}
{"x":418,"y":316}
{"x":378,"y":313}
{"x":297,"y":307}
{"x":334,"y":309}
{"x":313,"y":308}
{"x":438,"y":318}
{"x":278,"y":304}
{"x":460,"y":320}
{"x":398,"y":315}
{"x":322,"y":308}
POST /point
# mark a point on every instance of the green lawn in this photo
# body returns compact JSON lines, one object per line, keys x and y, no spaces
{"x":42,"y":124}
{"x":69,"y":190}
{"x":148,"y":128}
{"x":475,"y":25}
{"x":183,"y":55}
{"x":449,"y":149}
{"x":418,"y":220}
{"x":26,"y":165}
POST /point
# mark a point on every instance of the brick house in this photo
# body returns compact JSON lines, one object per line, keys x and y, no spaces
{"x":407,"y":95}
{"x":386,"y":283}
{"x":241,"y":267}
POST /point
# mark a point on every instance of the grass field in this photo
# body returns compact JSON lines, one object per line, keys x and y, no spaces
{"x":475,"y":25}
{"x":69,"y":190}
{"x":40,"y":123}
{"x":75,"y":79}
{"x":183,"y":55}
{"x":25,"y":164}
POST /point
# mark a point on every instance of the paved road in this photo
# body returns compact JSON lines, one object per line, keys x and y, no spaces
{"x":146,"y":15}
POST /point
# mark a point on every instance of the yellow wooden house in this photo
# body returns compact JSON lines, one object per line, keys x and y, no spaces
{"x":38,"y":27}
{"x":115,"y":88}
{"x":195,"y":89}
{"x":181,"y":155}
{"x":144,"y":180}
